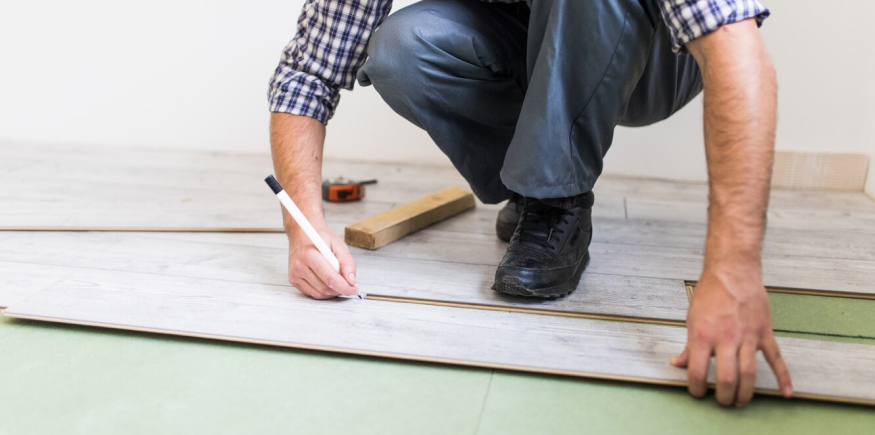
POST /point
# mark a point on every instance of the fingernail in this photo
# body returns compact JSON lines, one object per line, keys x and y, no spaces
{"x":673,"y":360}
{"x":788,"y":391}
{"x":351,"y":277}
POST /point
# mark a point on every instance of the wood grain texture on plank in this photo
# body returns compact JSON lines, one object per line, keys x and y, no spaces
{"x":230,"y":254}
{"x":262,"y":258}
{"x":660,"y":190}
{"x":18,"y":281}
{"x":384,"y":228}
{"x":823,"y":243}
{"x":806,"y":219}
{"x":279,"y":316}
{"x":96,"y":188}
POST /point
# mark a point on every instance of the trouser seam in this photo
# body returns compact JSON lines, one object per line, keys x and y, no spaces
{"x":589,"y":100}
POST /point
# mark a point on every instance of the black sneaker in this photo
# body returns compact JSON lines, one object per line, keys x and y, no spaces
{"x":549,"y":248}
{"x":508,"y":218}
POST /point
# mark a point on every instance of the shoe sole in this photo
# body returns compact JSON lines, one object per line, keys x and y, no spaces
{"x":515,"y":288}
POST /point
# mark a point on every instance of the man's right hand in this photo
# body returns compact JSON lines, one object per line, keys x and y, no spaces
{"x":312,"y":274}
{"x":296,"y":145}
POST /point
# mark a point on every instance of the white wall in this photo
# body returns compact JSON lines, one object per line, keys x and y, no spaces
{"x":193,"y":74}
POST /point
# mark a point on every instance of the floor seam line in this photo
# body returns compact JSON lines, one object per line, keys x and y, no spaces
{"x":483,"y":405}
{"x":825,"y":334}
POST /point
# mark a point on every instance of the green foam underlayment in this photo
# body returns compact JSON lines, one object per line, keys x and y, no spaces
{"x":823,"y":315}
{"x":72,"y":379}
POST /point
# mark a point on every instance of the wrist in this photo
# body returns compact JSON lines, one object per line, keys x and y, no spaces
{"x":294,"y":232}
{"x":737,"y":277}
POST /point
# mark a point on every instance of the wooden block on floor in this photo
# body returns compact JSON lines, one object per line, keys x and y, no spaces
{"x":400,"y":221}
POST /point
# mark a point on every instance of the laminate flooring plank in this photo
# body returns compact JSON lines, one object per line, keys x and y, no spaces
{"x":261,"y":258}
{"x":778,"y":241}
{"x":279,"y":316}
{"x":82,"y":187}
{"x":232,"y":255}
{"x":828,"y":275}
{"x":18,"y":281}
{"x":123,"y":189}
{"x":608,"y":228}
{"x":804,"y":219}
{"x":654,"y":261}
{"x":697,"y":192}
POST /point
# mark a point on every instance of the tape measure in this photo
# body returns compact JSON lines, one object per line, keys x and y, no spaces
{"x":343,"y":190}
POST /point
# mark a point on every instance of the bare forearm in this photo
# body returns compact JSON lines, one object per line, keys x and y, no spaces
{"x":740,"y":115}
{"x":296,"y":146}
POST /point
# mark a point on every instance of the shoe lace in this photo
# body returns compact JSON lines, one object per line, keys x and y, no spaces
{"x":540,"y":223}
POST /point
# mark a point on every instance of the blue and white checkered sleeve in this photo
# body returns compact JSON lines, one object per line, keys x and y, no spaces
{"x":323,"y":57}
{"x":691,"y":19}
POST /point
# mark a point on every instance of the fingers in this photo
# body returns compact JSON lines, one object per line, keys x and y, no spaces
{"x":323,"y":291}
{"x":347,"y":264}
{"x":770,"y":349}
{"x":303,"y":279}
{"x":306,"y":288}
{"x":697,"y":369}
{"x":326,"y":274}
{"x":683,"y":359}
{"x":727,"y":374}
{"x":747,"y":373}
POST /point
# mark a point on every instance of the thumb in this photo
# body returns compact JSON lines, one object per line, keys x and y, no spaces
{"x":683,"y":359}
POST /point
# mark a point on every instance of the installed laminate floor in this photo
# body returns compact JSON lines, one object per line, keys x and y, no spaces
{"x":648,"y":240}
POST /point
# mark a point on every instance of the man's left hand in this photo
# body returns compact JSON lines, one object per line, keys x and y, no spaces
{"x":729,"y":317}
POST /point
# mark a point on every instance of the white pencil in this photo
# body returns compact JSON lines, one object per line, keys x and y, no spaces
{"x":305,"y":225}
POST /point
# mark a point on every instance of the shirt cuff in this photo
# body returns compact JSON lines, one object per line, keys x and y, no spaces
{"x":690,"y":20}
{"x":300,"y":93}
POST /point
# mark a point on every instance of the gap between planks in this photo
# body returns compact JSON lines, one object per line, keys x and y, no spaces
{"x":538,"y":311}
{"x":691,"y":287}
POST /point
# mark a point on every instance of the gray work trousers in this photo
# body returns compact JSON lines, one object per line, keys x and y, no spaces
{"x":525,"y":98}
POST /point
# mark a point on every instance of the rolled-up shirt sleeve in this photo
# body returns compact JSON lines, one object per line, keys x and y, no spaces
{"x":691,"y":19}
{"x":328,"y":48}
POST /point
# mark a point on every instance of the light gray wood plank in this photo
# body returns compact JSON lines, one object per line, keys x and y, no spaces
{"x":806,"y":219}
{"x":697,"y":192}
{"x":112,"y":188}
{"x":18,"y":281}
{"x":823,"y":243}
{"x":80,"y":187}
{"x":261,"y":258}
{"x":654,"y":261}
{"x":276,"y":315}
{"x":778,"y":241}
{"x":597,"y":294}
{"x":227,"y":255}
{"x":828,"y":275}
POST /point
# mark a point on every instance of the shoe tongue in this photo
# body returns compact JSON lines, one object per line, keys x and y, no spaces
{"x":536,"y":229}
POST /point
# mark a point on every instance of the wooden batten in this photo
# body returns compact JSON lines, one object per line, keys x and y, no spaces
{"x":391,"y":225}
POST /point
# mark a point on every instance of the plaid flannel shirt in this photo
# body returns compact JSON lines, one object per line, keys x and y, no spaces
{"x":332,"y":37}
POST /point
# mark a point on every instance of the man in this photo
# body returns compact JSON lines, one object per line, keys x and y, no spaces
{"x":524,"y":97}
